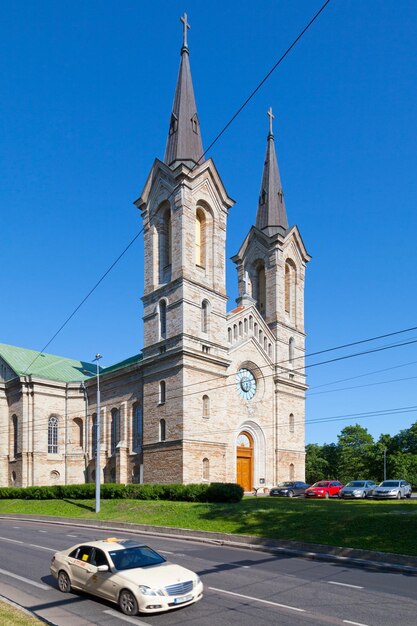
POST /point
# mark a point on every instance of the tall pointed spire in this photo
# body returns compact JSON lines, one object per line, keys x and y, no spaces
{"x":272,"y":215}
{"x":184,"y":144}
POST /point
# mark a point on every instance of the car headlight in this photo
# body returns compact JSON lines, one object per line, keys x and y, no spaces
{"x":147,"y":591}
{"x":197,"y":581}
{"x":356,"y":491}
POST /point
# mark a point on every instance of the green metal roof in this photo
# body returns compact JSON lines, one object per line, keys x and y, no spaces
{"x":48,"y":366}
{"x":117,"y":366}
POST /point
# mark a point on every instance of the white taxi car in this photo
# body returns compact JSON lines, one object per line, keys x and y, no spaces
{"x":129,"y":573}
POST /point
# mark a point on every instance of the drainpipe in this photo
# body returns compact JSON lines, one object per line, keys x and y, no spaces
{"x":66,"y":435}
{"x":86,"y":438}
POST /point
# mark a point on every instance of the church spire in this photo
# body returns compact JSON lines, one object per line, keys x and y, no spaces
{"x":271,"y":207}
{"x":184,"y":143}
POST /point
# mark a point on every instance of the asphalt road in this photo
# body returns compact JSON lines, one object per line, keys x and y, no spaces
{"x":241,"y":587}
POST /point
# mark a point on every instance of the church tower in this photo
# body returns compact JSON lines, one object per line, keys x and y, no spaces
{"x":184,"y":207}
{"x":271,"y":268}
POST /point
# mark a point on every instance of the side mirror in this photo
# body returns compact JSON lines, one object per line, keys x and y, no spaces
{"x":103,"y":568}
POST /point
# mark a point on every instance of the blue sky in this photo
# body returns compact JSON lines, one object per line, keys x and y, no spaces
{"x":87,"y":89}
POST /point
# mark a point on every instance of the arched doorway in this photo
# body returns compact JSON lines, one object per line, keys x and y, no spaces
{"x":244,"y":460}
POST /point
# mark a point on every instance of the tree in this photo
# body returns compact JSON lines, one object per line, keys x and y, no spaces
{"x":316,"y":464}
{"x":355,"y":446}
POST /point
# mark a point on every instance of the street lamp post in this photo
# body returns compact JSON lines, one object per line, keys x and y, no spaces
{"x":98,"y":436}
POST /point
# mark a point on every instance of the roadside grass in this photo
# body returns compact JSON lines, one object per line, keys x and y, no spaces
{"x":380,"y":525}
{"x":13,"y":616}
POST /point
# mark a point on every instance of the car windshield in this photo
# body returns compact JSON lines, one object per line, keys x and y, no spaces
{"x":141,"y":556}
{"x":390,"y":483}
{"x":322,"y":483}
{"x":356,"y":483}
{"x":285,"y":484}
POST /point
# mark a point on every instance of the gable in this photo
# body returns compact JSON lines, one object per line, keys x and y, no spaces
{"x":6,"y":372}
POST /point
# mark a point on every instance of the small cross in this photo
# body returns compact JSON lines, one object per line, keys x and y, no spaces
{"x":271,"y":117}
{"x":185,"y":28}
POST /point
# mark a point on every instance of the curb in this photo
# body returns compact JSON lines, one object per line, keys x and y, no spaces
{"x":317,"y":552}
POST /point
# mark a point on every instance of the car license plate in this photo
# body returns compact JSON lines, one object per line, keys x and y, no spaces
{"x":183,"y":599}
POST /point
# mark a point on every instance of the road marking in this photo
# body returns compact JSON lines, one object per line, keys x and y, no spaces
{"x":25,"y":580}
{"x":43,"y":531}
{"x":166,"y":552}
{"x":11,"y":540}
{"x":333,"y":582}
{"x":16,"y":526}
{"x":131,"y":620}
{"x":34,"y":545}
{"x":240,"y":595}
{"x":71,"y":535}
{"x":346,"y":621}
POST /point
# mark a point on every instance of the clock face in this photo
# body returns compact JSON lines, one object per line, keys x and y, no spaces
{"x":245,"y":384}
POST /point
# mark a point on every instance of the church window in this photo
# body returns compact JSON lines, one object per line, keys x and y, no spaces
{"x":173,"y":124}
{"x":194,"y":123}
{"x":291,"y":351}
{"x":162,"y":319}
{"x":137,"y":427}
{"x":261,"y":337}
{"x":162,"y":392}
{"x":229,"y":335}
{"x":206,"y":469}
{"x":265,"y":344}
{"x":245,"y":325}
{"x":250,"y":322}
{"x":94,"y":434}
{"x":234,"y":331}
{"x":269,"y":349}
{"x":290,"y":281}
{"x":255,"y":330}
{"x":53,"y":435}
{"x":78,"y":431}
{"x":292,"y":472}
{"x":291,"y":423}
{"x":206,"y":406}
{"x":261,"y":290}
{"x":114,"y":430}
{"x":205,"y":308}
{"x":164,"y":229}
{"x":240,"y":329}
{"x":15,"y":427}
{"x":200,"y":238}
{"x":13,"y":478}
{"x":162,"y":430}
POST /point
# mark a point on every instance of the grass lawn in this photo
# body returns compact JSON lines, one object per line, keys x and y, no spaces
{"x":383,"y":526}
{"x":14,"y":617}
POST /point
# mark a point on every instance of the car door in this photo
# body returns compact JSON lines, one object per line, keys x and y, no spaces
{"x":96,"y":582}
{"x":78,"y":563}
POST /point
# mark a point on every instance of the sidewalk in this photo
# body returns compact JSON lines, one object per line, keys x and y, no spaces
{"x":353,"y":556}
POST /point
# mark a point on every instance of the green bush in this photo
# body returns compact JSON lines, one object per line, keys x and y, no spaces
{"x":214,"y":492}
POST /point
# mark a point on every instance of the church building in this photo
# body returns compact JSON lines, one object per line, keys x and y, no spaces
{"x":215,"y":395}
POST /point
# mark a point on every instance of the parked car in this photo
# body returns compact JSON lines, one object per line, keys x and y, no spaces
{"x":393,"y":489}
{"x":358,"y":489}
{"x":289,"y":489}
{"x":129,"y":573}
{"x":324,"y":489}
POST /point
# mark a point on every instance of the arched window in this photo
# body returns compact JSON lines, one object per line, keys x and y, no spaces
{"x":240,"y":329}
{"x":94,"y":434}
{"x":162,"y":319}
{"x":200,"y":238}
{"x":234,"y":331}
{"x":78,"y":431}
{"x":205,"y":308}
{"x":291,"y":423}
{"x":162,"y":392}
{"x":164,"y":244}
{"x":290,"y":281}
{"x":292,"y":472}
{"x":206,"y":406}
{"x":229,"y":335}
{"x":137,"y":427}
{"x":291,"y":351}
{"x":162,"y":430}
{"x":245,"y":325}
{"x":114,"y":430}
{"x":16,"y":443}
{"x":260,"y":288}
{"x":206,"y":469}
{"x":53,"y":435}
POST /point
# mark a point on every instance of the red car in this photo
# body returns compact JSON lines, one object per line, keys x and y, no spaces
{"x":324,"y":489}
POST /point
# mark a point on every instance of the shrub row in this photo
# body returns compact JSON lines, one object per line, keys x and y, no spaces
{"x":214,"y":492}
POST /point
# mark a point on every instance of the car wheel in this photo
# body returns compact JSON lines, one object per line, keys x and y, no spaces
{"x":326,"y":495}
{"x":127,"y":602}
{"x":399,"y":495}
{"x":408,"y":495}
{"x":290,"y":494}
{"x":64,"y":582}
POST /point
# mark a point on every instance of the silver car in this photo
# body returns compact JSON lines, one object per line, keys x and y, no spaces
{"x":396,"y":489}
{"x":358,"y":489}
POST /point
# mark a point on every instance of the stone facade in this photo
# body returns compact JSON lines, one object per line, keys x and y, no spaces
{"x":214,"y":395}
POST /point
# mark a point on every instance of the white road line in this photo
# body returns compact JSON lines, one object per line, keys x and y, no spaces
{"x":346,"y":621}
{"x":240,"y":595}
{"x":71,"y":535}
{"x":25,"y":580}
{"x":131,"y":620}
{"x":34,"y":545}
{"x":166,"y":552}
{"x":333,"y":582}
{"x":16,"y":526}
{"x":11,"y":540}
{"x":43,"y":531}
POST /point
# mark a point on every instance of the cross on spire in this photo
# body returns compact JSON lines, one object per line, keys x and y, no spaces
{"x":186,"y":26}
{"x":271,"y":117}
